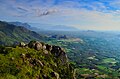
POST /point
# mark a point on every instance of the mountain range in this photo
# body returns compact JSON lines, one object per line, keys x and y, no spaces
{"x":44,"y":27}
{"x":26,"y":25}
{"x":11,"y":34}
{"x":50,"y":27}
{"x":33,"y":60}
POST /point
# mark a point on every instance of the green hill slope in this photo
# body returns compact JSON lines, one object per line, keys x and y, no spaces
{"x":34,"y":61}
{"x":11,"y":34}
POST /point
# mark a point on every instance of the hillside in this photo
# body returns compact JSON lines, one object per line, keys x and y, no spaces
{"x":35,"y":60}
{"x":26,"y":25}
{"x":11,"y":34}
{"x":49,"y":27}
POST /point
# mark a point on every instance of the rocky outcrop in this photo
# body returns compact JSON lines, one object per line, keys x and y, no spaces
{"x":59,"y":53}
{"x":55,"y":52}
{"x":48,"y":47}
{"x":22,"y":44}
{"x":35,"y":60}
{"x":35,"y":44}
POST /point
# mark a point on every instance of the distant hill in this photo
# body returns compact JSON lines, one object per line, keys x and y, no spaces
{"x":26,"y":25}
{"x":11,"y":34}
{"x":44,"y":27}
{"x":49,"y":27}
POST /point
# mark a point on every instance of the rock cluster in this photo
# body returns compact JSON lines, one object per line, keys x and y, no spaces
{"x":35,"y":44}
{"x":38,"y":61}
{"x":57,"y":51}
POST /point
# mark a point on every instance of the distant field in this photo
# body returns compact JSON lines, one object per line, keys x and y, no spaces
{"x":110,"y":60}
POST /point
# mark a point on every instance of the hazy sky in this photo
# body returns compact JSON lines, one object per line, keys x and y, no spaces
{"x":83,"y":14}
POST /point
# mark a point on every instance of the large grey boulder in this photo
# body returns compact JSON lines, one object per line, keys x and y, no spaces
{"x":38,"y":46}
{"x":35,"y":44}
{"x":22,"y":44}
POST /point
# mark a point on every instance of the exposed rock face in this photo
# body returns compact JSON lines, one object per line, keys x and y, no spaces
{"x":32,"y":44}
{"x":46,"y":52}
{"x":35,"y":44}
{"x":38,"y":46}
{"x":56,"y":50}
{"x":22,"y":44}
{"x":48,"y":47}
{"x":48,"y":62}
{"x":59,"y":53}
{"x":44,"y":47}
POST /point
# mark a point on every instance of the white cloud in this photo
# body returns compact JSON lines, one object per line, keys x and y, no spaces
{"x":115,"y":3}
{"x":65,"y":13}
{"x":83,"y":19}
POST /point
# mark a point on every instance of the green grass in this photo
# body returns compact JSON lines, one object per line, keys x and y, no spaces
{"x":15,"y":65}
{"x":110,"y":60}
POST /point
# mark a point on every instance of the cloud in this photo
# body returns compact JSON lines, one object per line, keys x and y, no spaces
{"x":35,"y":8}
{"x":22,"y":9}
{"x":39,"y":12}
{"x":115,"y":4}
{"x":85,"y":19}
{"x":82,"y":14}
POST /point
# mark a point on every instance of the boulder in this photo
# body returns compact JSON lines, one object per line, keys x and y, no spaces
{"x":31,"y":44}
{"x":35,"y":44}
{"x":45,"y":52}
{"x":38,"y":46}
{"x":44,"y":47}
{"x":12,"y":58}
{"x":48,"y":47}
{"x":22,"y":44}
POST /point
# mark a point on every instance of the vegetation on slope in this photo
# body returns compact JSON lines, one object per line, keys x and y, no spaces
{"x":35,"y":60}
{"x":11,"y":34}
{"x":93,"y":55}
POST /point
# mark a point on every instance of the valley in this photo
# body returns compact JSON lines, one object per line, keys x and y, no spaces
{"x":95,"y":56}
{"x":59,"y":39}
{"x":92,"y":54}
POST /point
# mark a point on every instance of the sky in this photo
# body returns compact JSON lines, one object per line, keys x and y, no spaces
{"x":81,"y":14}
